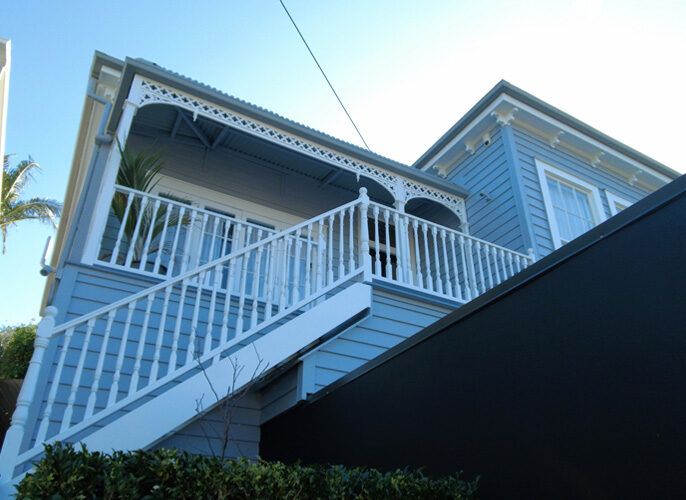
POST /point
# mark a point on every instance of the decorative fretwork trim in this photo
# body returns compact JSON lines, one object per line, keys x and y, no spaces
{"x":402,"y":189}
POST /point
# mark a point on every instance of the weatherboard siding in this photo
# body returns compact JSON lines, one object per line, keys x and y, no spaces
{"x":205,"y":435}
{"x":250,"y":179}
{"x":85,"y":289}
{"x":393,"y":318}
{"x":529,"y":148}
{"x":493,"y":216}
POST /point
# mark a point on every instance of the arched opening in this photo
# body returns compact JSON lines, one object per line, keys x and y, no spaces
{"x":433,"y":211}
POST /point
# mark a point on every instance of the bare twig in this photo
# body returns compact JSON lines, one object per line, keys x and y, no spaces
{"x":231,"y":400}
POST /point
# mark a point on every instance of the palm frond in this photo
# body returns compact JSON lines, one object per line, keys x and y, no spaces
{"x":16,"y":179}
{"x":139,"y":171}
{"x":14,"y":210}
{"x":41,"y":209}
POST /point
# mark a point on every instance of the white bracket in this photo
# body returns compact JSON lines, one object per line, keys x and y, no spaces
{"x":555,"y":139}
{"x":595,"y":161}
{"x":504,"y":119}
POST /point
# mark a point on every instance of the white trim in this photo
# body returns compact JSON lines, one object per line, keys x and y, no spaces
{"x":613,"y":200}
{"x":153,"y":420}
{"x":101,"y":208}
{"x":564,"y":131}
{"x":546,"y":170}
{"x":401,"y":188}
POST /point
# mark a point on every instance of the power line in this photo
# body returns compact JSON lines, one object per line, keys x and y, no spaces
{"x":324,"y":74}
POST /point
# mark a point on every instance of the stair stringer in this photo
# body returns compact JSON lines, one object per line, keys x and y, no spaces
{"x":173,"y":409}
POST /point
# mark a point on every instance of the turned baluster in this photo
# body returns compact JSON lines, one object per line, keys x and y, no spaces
{"x":92,"y":397}
{"x":160,"y":335}
{"x":448,"y":284}
{"x":389,"y":267}
{"x":427,"y":256}
{"x":163,"y":236}
{"x":377,"y":251}
{"x":177,"y":232}
{"x":114,"y":389}
{"x":148,"y":238}
{"x":134,"y":237}
{"x":122,"y":227}
{"x":133,"y":387}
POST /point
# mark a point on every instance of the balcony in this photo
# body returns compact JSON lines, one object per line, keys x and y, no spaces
{"x":163,"y":237}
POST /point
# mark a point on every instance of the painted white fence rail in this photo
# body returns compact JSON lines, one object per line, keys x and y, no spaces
{"x":435,"y":259}
{"x":120,"y":353}
{"x":116,"y":355}
{"x":166,"y":237}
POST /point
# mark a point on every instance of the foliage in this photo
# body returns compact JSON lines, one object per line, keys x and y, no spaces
{"x":172,"y":474}
{"x":16,"y":348}
{"x":139,"y":171}
{"x":13,"y":209}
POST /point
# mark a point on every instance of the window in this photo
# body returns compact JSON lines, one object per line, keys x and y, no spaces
{"x":616,"y":203}
{"x":573,"y":205}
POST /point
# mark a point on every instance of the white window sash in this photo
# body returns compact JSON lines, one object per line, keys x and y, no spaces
{"x":546,"y":171}
{"x":613,"y":200}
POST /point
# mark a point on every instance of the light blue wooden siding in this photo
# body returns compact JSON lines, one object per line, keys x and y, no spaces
{"x":85,"y":289}
{"x":246,"y":178}
{"x":529,"y":148}
{"x":393,"y":319}
{"x":280,"y":395}
{"x":487,"y":171}
{"x":205,"y":436}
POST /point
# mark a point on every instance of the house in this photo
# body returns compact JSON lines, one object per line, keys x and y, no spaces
{"x":270,"y":259}
{"x":563,"y":382}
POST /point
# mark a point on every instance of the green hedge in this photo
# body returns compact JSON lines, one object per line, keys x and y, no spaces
{"x":66,"y":473}
{"x":16,"y":348}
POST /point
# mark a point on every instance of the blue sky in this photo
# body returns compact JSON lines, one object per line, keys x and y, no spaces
{"x":406,"y":70}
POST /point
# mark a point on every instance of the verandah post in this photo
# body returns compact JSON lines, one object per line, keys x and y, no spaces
{"x":364,"y":236}
{"x":27,"y":394}
{"x":101,"y":209}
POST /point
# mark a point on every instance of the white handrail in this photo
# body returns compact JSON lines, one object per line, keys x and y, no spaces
{"x":126,"y":349}
{"x":196,"y":315}
{"x":162,"y":236}
{"x":435,"y":259}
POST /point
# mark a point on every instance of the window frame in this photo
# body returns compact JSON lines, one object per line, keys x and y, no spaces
{"x":545,"y":171}
{"x":613,"y":200}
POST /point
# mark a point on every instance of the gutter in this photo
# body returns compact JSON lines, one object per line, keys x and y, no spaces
{"x":101,"y":137}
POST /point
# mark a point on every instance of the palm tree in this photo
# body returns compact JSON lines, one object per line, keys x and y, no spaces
{"x":140,"y":172}
{"x":13,"y":209}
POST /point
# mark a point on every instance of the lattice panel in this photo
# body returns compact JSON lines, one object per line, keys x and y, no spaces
{"x":401,"y":188}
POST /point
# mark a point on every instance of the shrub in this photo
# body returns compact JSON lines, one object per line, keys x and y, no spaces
{"x":172,"y":474}
{"x":16,"y":348}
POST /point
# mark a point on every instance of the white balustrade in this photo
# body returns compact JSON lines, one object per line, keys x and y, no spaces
{"x":242,"y":278}
{"x":435,"y":259}
{"x":163,"y":237}
{"x":138,"y":344}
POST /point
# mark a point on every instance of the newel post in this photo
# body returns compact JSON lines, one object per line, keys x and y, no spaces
{"x":532,"y":256}
{"x":366,"y":257}
{"x":27,"y":395}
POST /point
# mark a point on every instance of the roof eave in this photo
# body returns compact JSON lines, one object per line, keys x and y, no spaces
{"x":504,"y":87}
{"x":132,"y":67}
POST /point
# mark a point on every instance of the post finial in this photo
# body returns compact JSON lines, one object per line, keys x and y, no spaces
{"x":50,"y":311}
{"x":363,"y":195}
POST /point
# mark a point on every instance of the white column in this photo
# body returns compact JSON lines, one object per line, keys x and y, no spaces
{"x":27,"y":395}
{"x":106,"y":192}
{"x":366,"y":258}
